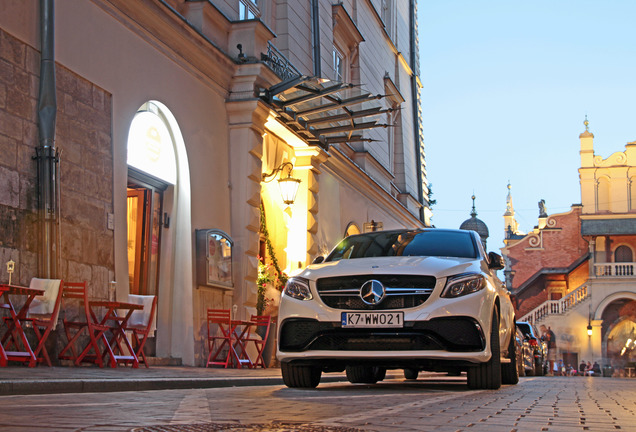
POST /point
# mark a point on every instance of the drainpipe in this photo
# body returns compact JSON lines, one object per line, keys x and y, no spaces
{"x":416,"y":98}
{"x":315,"y":30}
{"x":46,"y":153}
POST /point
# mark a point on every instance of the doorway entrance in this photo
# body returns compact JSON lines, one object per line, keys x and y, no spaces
{"x":145,"y":219}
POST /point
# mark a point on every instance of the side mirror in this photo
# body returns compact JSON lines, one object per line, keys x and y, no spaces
{"x":496,"y":261}
{"x":318,"y":259}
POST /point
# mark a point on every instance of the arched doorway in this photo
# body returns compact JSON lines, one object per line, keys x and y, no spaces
{"x":152,"y":171}
{"x":159,"y":226}
{"x":618,"y":332}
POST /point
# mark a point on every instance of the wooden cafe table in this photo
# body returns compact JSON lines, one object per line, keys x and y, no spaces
{"x":116,"y":321}
{"x":15,"y":331}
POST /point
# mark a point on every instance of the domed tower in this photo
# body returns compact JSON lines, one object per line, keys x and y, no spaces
{"x":476,"y":225}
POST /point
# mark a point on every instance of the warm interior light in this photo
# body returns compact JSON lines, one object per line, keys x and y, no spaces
{"x":288,"y":186}
{"x":288,"y":189}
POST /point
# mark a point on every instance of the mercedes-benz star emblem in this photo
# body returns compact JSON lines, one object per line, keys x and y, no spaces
{"x":372,"y":292}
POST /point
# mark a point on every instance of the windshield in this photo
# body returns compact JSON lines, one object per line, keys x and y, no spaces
{"x":441,"y":243}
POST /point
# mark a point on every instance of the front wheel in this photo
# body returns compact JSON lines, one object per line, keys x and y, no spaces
{"x":510,"y":371}
{"x":365,"y":374}
{"x":488,"y":375}
{"x":300,"y":376}
{"x":411,"y":374}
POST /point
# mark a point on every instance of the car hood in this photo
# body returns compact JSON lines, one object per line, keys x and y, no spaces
{"x":429,"y":266}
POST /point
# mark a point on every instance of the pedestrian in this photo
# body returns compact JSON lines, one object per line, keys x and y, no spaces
{"x":582,"y":367}
{"x":596,"y":368}
{"x":588,"y":369}
{"x":561,"y":368}
{"x":550,"y":338}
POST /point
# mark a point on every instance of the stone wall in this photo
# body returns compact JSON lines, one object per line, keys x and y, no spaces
{"x":83,"y":137}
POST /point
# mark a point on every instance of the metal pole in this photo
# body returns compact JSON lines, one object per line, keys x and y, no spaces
{"x":46,"y":153}
{"x":315,"y":29}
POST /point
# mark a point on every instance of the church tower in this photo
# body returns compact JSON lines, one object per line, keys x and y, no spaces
{"x":477,"y":225}
{"x":511,"y":226}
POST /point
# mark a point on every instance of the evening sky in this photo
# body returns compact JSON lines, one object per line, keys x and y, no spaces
{"x":506,"y":88}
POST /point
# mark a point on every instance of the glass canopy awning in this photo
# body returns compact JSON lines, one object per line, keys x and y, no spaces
{"x":324,"y":112}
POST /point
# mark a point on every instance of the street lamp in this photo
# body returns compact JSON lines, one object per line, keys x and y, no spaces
{"x":288,"y":186}
{"x":589,"y":329}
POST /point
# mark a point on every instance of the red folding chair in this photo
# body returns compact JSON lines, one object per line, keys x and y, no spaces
{"x":42,"y":316}
{"x":77,"y":292}
{"x":222,"y":334}
{"x":260,"y":322}
{"x":142,"y":323}
{"x":44,"y":323}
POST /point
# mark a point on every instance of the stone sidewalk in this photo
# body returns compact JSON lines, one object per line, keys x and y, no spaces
{"x":20,"y":379}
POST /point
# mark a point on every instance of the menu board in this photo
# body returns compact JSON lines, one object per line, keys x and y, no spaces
{"x":214,"y":258}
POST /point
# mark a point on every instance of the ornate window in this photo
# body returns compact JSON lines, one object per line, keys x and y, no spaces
{"x":603,"y":194}
{"x":623,"y":254}
{"x":352,"y":229}
{"x":248,"y":9}
{"x":338,"y":65}
{"x":346,"y":38}
{"x":388,"y":16}
{"x":632,"y":193}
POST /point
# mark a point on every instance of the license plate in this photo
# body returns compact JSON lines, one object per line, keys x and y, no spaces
{"x":372,"y":319}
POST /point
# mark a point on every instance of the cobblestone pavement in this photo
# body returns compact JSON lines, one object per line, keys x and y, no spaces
{"x":430,"y":404}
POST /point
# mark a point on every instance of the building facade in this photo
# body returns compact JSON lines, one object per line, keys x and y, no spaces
{"x":575,"y":271}
{"x":175,"y":122}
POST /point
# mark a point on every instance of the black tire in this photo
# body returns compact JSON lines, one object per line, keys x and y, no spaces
{"x":538,"y":367}
{"x":510,"y":371}
{"x":380,"y":373}
{"x":363,"y":374}
{"x":411,"y":374}
{"x":300,"y":376}
{"x":488,"y":375}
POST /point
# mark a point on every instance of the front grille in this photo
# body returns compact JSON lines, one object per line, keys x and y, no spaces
{"x":459,"y":334}
{"x":402,"y":291}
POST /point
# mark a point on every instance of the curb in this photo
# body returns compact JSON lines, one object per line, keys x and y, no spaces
{"x":52,"y":386}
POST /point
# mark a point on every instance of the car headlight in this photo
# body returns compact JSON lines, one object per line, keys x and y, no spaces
{"x":298,"y":288}
{"x":461,"y":285}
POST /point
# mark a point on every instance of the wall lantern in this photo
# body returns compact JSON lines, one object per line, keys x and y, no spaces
{"x":589,"y":328}
{"x":288,"y":185}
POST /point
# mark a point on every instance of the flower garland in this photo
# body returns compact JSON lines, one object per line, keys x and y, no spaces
{"x":264,"y":275}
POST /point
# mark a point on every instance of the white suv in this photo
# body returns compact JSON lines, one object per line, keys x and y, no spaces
{"x":420,"y":299}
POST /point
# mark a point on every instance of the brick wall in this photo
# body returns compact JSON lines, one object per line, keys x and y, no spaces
{"x":83,"y":137}
{"x":560,"y":246}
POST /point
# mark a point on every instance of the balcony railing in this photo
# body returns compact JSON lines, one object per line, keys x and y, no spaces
{"x":279,"y":63}
{"x":614,"y":270}
{"x":556,"y":307}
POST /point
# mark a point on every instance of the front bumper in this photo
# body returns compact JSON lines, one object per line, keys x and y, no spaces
{"x":453,"y":334}
{"x":441,"y":330}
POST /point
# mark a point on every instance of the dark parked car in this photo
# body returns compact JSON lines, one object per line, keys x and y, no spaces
{"x":539,"y":347}
{"x":525,"y":355}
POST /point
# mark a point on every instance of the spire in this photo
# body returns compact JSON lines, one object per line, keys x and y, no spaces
{"x":587,"y":133}
{"x":477,"y":225}
{"x":511,"y":226}
{"x":509,"y":210}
